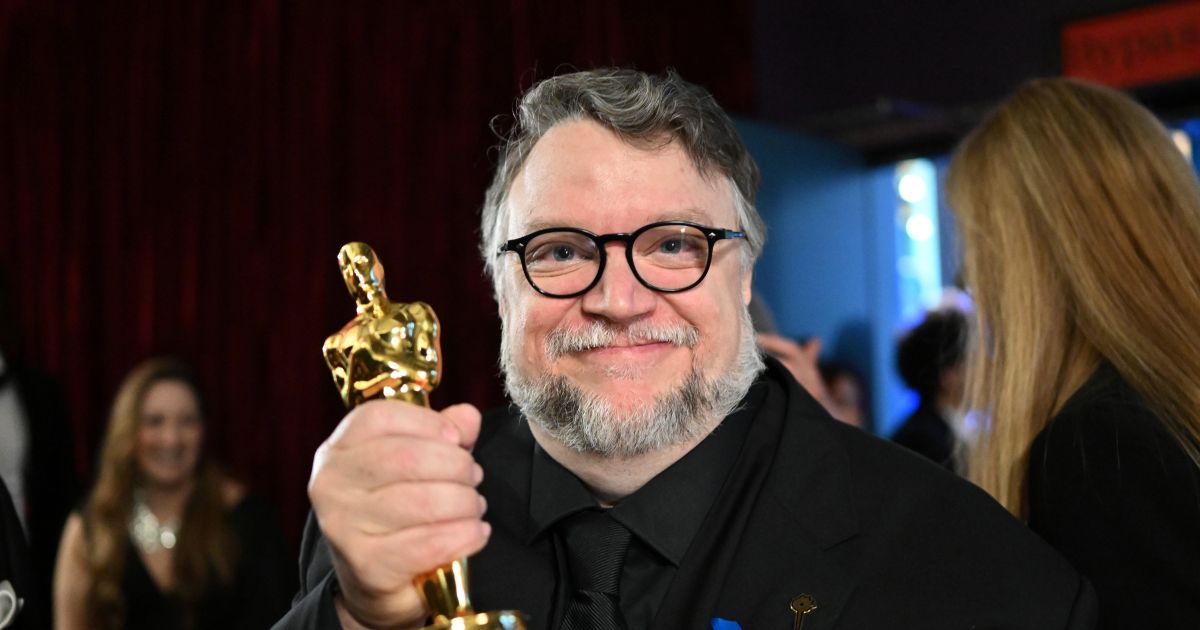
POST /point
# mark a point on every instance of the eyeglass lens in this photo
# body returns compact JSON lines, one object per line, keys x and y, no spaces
{"x":666,"y":257}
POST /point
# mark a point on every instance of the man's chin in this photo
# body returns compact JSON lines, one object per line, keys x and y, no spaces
{"x":617,"y":417}
{"x":628,"y":402}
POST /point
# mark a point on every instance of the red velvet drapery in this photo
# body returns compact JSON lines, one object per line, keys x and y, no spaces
{"x":176,"y":177}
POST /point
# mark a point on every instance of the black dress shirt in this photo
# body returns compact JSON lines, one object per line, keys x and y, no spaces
{"x":663,"y":515}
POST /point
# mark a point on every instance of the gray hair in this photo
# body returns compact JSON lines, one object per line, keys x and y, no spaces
{"x":648,"y":111}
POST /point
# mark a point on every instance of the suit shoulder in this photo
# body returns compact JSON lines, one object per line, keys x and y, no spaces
{"x":914,"y":499}
{"x":915,"y":528}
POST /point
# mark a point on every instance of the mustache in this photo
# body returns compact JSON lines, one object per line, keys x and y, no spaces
{"x":601,"y":334}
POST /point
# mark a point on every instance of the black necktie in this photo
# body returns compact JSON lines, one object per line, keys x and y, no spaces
{"x":596,"y":545}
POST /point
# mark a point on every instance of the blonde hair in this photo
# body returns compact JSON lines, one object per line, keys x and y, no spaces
{"x":1080,"y":225}
{"x":205,"y":544}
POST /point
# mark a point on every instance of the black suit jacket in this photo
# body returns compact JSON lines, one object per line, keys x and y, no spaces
{"x":50,"y":484}
{"x":1113,"y":491}
{"x":14,"y":565}
{"x":879,"y":537}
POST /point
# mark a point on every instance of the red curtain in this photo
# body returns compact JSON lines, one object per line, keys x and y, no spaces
{"x":177,"y":177}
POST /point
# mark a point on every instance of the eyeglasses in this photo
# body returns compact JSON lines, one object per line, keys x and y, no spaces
{"x":668,"y":256}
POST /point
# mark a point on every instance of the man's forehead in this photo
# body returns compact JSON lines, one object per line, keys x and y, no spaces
{"x":537,"y":220}
{"x":580,"y":174}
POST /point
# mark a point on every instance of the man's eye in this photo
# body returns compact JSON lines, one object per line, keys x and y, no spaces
{"x":552,"y":253}
{"x":555,"y":253}
{"x":678,"y":245}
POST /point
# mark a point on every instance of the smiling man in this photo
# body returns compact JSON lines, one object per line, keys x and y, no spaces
{"x":653,"y":471}
{"x":648,"y":345}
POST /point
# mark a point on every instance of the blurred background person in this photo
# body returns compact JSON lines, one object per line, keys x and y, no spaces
{"x":16,"y":579}
{"x":36,"y":449}
{"x":1081,"y":231}
{"x":165,"y":539}
{"x":930,"y":360}
{"x":847,"y":393}
{"x":802,"y":360}
{"x":837,"y":386}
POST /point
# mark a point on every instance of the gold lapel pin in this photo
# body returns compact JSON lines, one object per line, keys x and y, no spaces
{"x":802,"y":605}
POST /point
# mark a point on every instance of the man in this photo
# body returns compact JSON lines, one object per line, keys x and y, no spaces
{"x":930,"y":360}
{"x":35,"y":462}
{"x":651,"y":472}
{"x":16,"y":577}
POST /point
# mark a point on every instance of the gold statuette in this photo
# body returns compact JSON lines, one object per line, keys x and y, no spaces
{"x":393,"y":351}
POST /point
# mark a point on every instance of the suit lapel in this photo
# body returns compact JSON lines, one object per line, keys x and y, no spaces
{"x":768,"y":539}
{"x":779,"y":563}
{"x":807,"y":509}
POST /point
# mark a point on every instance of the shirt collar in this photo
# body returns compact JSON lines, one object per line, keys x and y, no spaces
{"x":666,"y":513}
{"x":555,"y":493}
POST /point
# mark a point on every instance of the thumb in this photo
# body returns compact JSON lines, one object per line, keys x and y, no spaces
{"x":467,"y":419}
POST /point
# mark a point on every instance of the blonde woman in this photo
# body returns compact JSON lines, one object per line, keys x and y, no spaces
{"x":165,"y":540}
{"x":1080,"y":223}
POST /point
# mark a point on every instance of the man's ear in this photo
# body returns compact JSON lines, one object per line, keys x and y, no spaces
{"x":746,"y":282}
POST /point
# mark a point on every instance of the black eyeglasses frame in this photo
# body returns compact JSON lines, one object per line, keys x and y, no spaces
{"x":712,"y":234}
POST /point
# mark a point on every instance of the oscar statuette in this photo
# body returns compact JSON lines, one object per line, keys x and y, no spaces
{"x":393,"y":351}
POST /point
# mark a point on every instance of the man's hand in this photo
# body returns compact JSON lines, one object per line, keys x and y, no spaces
{"x":394,"y":492}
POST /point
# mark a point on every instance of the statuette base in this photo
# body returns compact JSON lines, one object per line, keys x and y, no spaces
{"x":495,"y":620}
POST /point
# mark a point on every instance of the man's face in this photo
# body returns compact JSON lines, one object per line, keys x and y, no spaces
{"x":581,"y":175}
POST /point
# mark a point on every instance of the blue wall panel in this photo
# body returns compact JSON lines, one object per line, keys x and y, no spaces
{"x":828,"y":268}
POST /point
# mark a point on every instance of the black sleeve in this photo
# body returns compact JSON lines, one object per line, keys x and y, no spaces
{"x":1085,"y":611}
{"x":51,"y":488}
{"x":1116,"y":495}
{"x":313,"y":610}
{"x":14,"y":564}
{"x":313,"y":607}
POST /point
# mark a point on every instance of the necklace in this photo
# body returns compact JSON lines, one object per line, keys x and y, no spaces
{"x":147,"y":532}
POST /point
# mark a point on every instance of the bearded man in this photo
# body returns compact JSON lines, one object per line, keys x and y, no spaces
{"x":653,"y":470}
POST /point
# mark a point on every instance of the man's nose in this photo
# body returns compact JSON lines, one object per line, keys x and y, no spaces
{"x":618,"y":295}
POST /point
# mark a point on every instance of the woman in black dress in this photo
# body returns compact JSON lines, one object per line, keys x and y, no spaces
{"x":1080,"y":222}
{"x":165,"y":539}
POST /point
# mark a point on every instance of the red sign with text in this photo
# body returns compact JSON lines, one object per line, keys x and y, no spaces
{"x":1139,"y":47}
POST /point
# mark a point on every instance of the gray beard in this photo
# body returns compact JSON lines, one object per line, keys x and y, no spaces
{"x":590,"y":424}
